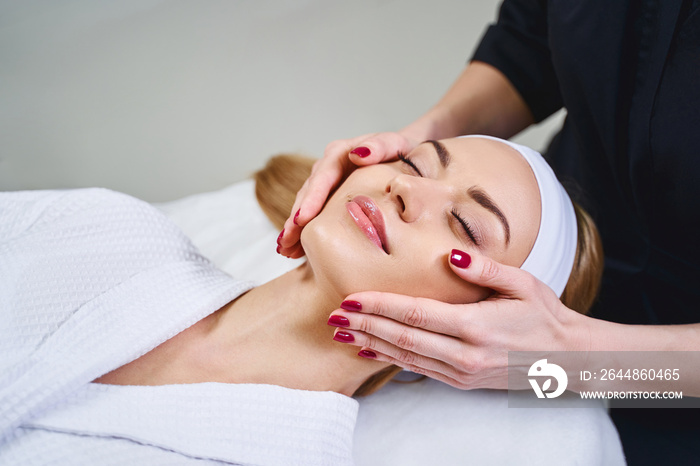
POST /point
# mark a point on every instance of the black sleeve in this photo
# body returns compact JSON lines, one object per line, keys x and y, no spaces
{"x":518,"y":46}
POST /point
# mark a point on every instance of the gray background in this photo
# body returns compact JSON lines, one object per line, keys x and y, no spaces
{"x":164,"y":98}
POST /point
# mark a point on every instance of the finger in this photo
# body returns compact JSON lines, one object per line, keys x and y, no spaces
{"x":294,"y":252}
{"x":327,"y":174}
{"x":410,"y":360}
{"x":291,"y":232}
{"x":483,"y":271}
{"x":374,"y":354}
{"x":485,"y":378}
{"x":289,"y":236}
{"x":400,"y":336}
{"x":324,"y":176}
{"x":296,"y":219}
{"x":462,"y":383}
{"x":379,"y":148}
{"x":312,"y":204}
{"x":423,"y":313}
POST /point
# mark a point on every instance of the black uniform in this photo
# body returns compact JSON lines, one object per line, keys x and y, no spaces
{"x":628,"y":74}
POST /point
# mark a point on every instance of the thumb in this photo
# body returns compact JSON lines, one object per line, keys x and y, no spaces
{"x":379,"y":148}
{"x":486,"y":272}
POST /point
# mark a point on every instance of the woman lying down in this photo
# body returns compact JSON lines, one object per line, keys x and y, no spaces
{"x":120,"y":343}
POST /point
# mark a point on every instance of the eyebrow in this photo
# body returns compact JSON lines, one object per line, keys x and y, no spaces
{"x":442,"y":153}
{"x":480,"y":196}
{"x":475,"y":192}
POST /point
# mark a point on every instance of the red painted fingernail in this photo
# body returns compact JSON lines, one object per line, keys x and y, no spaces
{"x":344,"y":337}
{"x":296,"y":216}
{"x":351,"y":305}
{"x":279,"y":238}
{"x":460,"y":258}
{"x":278,"y":248}
{"x":361,"y":151}
{"x":338,"y":321}
{"x":367,"y":354}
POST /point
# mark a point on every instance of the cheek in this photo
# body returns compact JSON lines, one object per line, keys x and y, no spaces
{"x":420,"y":267}
{"x":435,"y":280}
{"x":461,"y":292}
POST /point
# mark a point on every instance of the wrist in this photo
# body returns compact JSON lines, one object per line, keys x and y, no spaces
{"x":575,"y":329}
{"x":602,"y":335}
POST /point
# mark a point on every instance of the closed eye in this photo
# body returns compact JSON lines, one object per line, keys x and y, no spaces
{"x":408,"y":162}
{"x":467,"y":228}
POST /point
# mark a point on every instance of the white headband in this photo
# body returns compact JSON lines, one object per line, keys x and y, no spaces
{"x":552,"y":256}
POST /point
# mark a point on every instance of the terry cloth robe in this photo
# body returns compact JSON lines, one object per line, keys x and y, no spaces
{"x":91,"y":280}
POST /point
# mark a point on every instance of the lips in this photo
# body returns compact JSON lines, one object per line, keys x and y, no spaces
{"x":370,"y":220}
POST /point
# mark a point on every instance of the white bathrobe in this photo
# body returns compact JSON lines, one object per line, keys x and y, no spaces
{"x":91,"y":280}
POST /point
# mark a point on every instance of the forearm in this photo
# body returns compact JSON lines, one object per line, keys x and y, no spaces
{"x":610,"y":336}
{"x":481,"y":101}
{"x":616,"y":350}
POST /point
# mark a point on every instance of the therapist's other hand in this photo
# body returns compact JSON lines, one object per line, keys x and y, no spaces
{"x":339,"y":159}
{"x":464,"y":345}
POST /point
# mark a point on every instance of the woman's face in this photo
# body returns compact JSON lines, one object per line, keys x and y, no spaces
{"x":391,"y":227}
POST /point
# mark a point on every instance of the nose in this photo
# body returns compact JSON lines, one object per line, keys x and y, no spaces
{"x":410,"y":194}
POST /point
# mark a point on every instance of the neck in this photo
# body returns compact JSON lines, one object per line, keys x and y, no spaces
{"x":277,"y":334}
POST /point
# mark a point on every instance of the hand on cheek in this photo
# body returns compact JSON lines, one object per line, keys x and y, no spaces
{"x":288,"y":241}
{"x":340,"y":158}
{"x":464,"y":345}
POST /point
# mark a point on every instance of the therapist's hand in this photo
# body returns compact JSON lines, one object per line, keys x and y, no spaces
{"x":340,"y":158}
{"x":464,"y":345}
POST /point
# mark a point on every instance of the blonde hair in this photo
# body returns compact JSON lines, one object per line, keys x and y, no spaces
{"x":276,"y":186}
